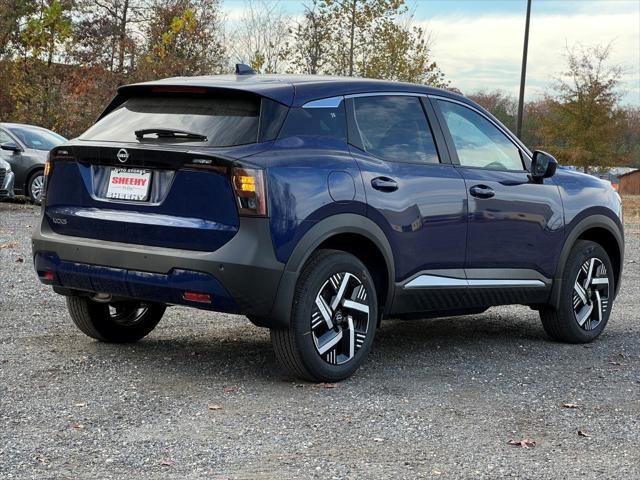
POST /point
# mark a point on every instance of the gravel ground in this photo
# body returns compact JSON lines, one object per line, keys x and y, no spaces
{"x":436,"y":399}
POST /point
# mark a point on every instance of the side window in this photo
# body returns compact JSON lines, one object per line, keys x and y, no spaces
{"x":479,"y":142}
{"x":317,"y":122}
{"x":395,"y":128}
{"x":4,"y":137}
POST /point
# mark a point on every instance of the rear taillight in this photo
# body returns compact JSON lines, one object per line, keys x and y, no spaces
{"x":250,"y":190}
{"x":55,"y":154}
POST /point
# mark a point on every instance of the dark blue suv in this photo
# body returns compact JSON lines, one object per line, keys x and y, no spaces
{"x":317,"y":206}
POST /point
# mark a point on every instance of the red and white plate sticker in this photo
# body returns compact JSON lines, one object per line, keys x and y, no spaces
{"x":129,"y":184}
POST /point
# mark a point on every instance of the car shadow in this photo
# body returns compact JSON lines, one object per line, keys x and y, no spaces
{"x":243,"y":353}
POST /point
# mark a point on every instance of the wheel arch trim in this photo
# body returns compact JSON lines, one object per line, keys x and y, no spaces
{"x":323,"y":230}
{"x":584,"y":225}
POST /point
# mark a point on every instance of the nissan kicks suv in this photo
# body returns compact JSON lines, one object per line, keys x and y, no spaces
{"x":317,"y":206}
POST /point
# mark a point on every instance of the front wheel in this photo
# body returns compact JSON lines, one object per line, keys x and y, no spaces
{"x":333,"y":319}
{"x":117,"y":322}
{"x":586,"y":296}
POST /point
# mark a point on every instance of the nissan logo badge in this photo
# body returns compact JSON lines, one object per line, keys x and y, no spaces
{"x":122,"y":155}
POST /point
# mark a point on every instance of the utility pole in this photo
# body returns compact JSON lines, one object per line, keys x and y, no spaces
{"x":523,"y":74}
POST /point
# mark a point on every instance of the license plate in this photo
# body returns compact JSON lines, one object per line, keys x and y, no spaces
{"x":129,"y":184}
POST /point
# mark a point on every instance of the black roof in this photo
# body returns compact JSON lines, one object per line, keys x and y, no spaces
{"x":291,"y":90}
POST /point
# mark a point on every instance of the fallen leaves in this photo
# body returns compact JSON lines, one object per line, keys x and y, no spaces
{"x":584,"y":433}
{"x":570,"y":405}
{"x":165,"y":462}
{"x":19,"y":260}
{"x":77,"y":426}
{"x":8,"y":245}
{"x":215,"y":406}
{"x":325,"y":385}
{"x":525,"y":443}
{"x":229,"y":389}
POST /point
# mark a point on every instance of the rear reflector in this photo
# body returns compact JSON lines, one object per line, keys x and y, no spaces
{"x":47,"y":276}
{"x":196,"y":297}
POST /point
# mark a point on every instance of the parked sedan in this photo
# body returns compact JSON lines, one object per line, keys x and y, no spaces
{"x":6,"y":180}
{"x":25,"y":148}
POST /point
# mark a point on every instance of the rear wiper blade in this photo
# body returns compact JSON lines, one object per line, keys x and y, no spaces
{"x":170,"y":133}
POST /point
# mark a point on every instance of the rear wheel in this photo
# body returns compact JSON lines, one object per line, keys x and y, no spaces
{"x":586,"y":296}
{"x":333,"y":320}
{"x":35,"y":187}
{"x":117,"y":322}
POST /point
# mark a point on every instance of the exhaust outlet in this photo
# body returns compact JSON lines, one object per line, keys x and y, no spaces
{"x":102,"y":297}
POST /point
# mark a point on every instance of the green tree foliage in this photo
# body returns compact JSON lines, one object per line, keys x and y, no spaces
{"x":364,"y":38}
{"x":182,"y":38}
{"x":311,"y":39}
{"x":585,"y":124}
{"x":502,"y":105}
{"x":34,"y":89}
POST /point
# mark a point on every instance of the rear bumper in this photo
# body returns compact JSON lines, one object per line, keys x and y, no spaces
{"x":242,"y":276}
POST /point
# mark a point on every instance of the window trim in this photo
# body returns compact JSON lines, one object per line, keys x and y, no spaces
{"x":353,"y":133}
{"x":525,"y":154}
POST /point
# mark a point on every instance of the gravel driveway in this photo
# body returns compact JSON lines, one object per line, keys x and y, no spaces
{"x":202,"y":396}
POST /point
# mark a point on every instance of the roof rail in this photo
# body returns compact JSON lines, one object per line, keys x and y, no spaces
{"x":242,"y":69}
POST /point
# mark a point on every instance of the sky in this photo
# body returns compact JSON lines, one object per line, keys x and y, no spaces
{"x":478,"y":43}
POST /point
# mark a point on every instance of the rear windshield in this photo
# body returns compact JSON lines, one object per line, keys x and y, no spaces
{"x":225,"y":120}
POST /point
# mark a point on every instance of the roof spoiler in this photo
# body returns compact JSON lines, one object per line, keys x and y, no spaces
{"x":242,"y":69}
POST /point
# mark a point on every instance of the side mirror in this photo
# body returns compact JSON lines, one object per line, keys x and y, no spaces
{"x":543,"y":165}
{"x":11,"y":147}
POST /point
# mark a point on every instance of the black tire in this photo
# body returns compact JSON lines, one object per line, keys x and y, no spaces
{"x":35,"y":189}
{"x":563,"y":324}
{"x":298,"y":347}
{"x":121,"y":322}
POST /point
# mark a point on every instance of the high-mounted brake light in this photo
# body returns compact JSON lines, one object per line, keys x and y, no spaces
{"x":176,"y":89}
{"x":250,"y":189}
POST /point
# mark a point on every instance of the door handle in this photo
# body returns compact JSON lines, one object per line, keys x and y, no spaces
{"x":481,"y":191}
{"x":384,"y":184}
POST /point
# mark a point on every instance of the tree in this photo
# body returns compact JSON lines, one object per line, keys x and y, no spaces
{"x":183,"y":38}
{"x":260,"y":38}
{"x":501,"y":105}
{"x":585,"y":124}
{"x":12,"y":14}
{"x":108,"y":33}
{"x":311,"y":38}
{"x":34,"y":88}
{"x":365,"y":38}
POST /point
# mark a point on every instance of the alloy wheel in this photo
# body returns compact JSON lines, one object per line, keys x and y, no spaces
{"x":591,"y":294}
{"x":37,"y":186}
{"x":340,"y":318}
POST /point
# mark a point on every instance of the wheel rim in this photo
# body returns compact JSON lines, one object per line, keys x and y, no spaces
{"x":127,"y":313}
{"x":591,"y":294}
{"x":37,"y":185}
{"x":340,"y":318}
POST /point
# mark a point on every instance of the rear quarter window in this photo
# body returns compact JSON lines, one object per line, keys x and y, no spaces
{"x":317,"y":122}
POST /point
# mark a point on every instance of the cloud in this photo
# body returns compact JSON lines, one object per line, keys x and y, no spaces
{"x":485,"y":52}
